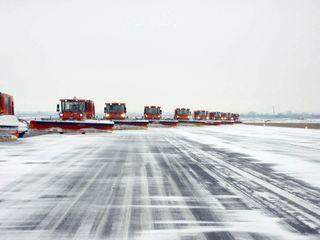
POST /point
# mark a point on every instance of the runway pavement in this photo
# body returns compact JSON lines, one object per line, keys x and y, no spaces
{"x":151,"y":184}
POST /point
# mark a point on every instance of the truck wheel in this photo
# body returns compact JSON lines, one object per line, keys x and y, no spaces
{"x":21,"y":134}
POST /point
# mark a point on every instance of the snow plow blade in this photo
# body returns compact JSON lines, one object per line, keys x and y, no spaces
{"x":227,"y":122}
{"x":213,"y":123}
{"x":191,"y":122}
{"x":130,"y":124}
{"x":61,"y":126}
{"x":237,"y":121}
{"x":163,"y":123}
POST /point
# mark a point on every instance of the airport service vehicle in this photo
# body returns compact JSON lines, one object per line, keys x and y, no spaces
{"x":117,"y":112}
{"x":236,"y":118}
{"x":10,"y":126}
{"x":183,"y":115}
{"x":200,"y":115}
{"x":214,"y":118}
{"x":154,"y":115}
{"x":76,"y":115}
{"x":226,"y":118}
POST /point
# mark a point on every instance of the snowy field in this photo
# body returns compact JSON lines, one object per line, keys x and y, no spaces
{"x":228,"y":182}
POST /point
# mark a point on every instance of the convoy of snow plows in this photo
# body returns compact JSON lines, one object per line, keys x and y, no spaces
{"x":78,"y":115}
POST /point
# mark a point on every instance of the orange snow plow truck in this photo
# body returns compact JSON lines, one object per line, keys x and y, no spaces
{"x":182,"y":114}
{"x":154,"y":115}
{"x":117,"y":112}
{"x":76,"y":115}
{"x":200,"y":115}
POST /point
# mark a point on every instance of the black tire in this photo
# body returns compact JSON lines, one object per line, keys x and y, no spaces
{"x":21,"y":134}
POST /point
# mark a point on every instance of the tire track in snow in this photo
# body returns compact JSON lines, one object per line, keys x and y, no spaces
{"x":304,"y":215}
{"x":136,"y":185}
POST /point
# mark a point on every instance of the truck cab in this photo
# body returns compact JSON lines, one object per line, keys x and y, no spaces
{"x":152,"y":113}
{"x":215,"y":116}
{"x":115,"y":111}
{"x":76,"y":109}
{"x":223,"y":116}
{"x":229,"y":117}
{"x":182,"y":114}
{"x":6,"y":104}
{"x":200,"y":115}
{"x":236,"y":117}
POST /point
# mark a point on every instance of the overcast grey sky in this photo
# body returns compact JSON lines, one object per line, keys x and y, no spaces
{"x":236,"y":55}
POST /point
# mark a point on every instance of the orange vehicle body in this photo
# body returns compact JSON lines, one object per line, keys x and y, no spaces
{"x":229,"y":117}
{"x":115,"y":111}
{"x":6,"y":104}
{"x":182,"y":114}
{"x":152,"y":113}
{"x":76,"y":109}
{"x":215,"y":116}
{"x":200,"y":115}
{"x":223,"y":116}
{"x":226,"y":118}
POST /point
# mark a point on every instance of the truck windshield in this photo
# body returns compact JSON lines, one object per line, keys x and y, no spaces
{"x":115,"y":108}
{"x":73,"y":106}
{"x":152,"y":110}
{"x":183,"y":112}
{"x":202,"y":113}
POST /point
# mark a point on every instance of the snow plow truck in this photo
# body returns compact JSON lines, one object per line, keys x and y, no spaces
{"x":200,"y":115}
{"x":183,"y":115}
{"x":75,"y":115}
{"x":154,"y":115}
{"x":117,"y":112}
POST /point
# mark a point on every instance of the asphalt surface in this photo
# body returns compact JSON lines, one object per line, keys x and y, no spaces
{"x":148,"y":184}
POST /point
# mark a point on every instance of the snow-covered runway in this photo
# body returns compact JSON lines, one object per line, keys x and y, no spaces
{"x":228,"y":182}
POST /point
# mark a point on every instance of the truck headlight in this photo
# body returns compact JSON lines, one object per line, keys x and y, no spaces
{"x":123,"y":115}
